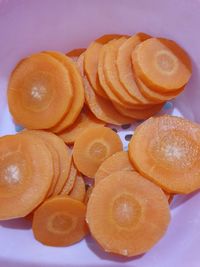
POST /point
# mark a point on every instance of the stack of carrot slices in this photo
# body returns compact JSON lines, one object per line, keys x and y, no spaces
{"x":45,"y":91}
{"x":67,"y":99}
{"x":134,"y":75}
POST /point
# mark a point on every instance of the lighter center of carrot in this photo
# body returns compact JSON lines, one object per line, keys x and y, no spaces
{"x":98,"y":150}
{"x":165,"y":61}
{"x":12,"y":174}
{"x":12,"y":170}
{"x":38,"y":92}
{"x":176,"y":150}
{"x":61,"y":223}
{"x":126,"y":211}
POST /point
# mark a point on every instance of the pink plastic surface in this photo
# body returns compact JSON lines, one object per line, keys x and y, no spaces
{"x":31,"y":26}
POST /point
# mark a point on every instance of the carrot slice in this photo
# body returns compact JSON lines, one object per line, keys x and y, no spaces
{"x":78,"y":97}
{"x":131,"y":82}
{"x":78,"y":191}
{"x":75,"y":53}
{"x":70,"y":181}
{"x":156,"y":96}
{"x":101,"y":108}
{"x":162,"y":64}
{"x":166,"y":150}
{"x":88,"y":194}
{"x":60,"y":221}
{"x":85,"y":120}
{"x":91,"y":60}
{"x":48,"y":139}
{"x":120,"y":217}
{"x":39,"y":92}
{"x":65,"y":158}
{"x":111,"y":95}
{"x":93,"y":147}
{"x":112,"y":75}
{"x":26,"y":173}
{"x":124,"y":66}
{"x":139,"y":114}
{"x":102,"y":78}
{"x":117,"y":162}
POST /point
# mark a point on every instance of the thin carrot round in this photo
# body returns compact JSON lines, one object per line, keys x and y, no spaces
{"x":139,"y":114}
{"x":156,"y":96}
{"x":78,"y":191}
{"x":166,"y":150}
{"x":26,"y":173}
{"x":117,"y":162}
{"x":102,"y":78}
{"x":75,"y":53}
{"x":124,"y":66}
{"x":39,"y":92}
{"x":85,"y":120}
{"x":127,"y":214}
{"x":162,"y":64}
{"x":70,"y":181}
{"x":112,"y":75}
{"x":65,"y":158}
{"x":127,"y":76}
{"x":60,"y":221}
{"x":101,"y":108}
{"x":78,"y":90}
{"x":48,"y":139}
{"x":91,"y":60}
{"x":93,"y":147}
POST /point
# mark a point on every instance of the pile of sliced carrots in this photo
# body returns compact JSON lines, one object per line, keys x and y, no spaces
{"x":68,"y":99}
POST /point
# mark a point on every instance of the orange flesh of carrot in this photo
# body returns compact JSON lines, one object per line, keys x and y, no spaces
{"x":60,"y":221}
{"x":93,"y":147}
{"x":124,"y":222}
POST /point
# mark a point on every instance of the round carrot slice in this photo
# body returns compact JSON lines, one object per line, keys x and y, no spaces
{"x":101,"y":108}
{"x":48,"y":139}
{"x":124,"y":66}
{"x":65,"y":158}
{"x":131,"y":82}
{"x":162,"y":64}
{"x":140,"y":114}
{"x":26,"y":173}
{"x":70,"y":181}
{"x":78,"y":191}
{"x":93,"y":147}
{"x":91,"y":60}
{"x":156,"y":96}
{"x":117,"y":162}
{"x":39,"y":92}
{"x":60,"y":221}
{"x":112,"y":75}
{"x":166,"y":150}
{"x":127,"y":214}
{"x":117,"y":102}
{"x":75,"y":53}
{"x":78,"y":97}
{"x":85,"y":120}
{"x":102,"y":78}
